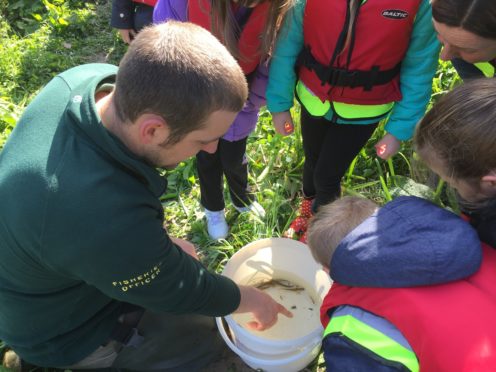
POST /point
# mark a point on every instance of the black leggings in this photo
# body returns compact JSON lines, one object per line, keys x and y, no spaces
{"x":329,"y":150}
{"x":229,"y":160}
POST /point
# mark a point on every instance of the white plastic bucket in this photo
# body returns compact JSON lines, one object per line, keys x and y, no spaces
{"x":261,"y":260}
{"x":289,"y":362}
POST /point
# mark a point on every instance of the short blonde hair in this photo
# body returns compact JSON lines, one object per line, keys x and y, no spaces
{"x":333,"y":222}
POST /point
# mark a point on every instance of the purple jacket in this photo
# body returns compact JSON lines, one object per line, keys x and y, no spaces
{"x":247,"y":119}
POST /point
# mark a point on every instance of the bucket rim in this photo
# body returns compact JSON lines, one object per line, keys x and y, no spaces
{"x":273,"y":362}
{"x":293,"y":343}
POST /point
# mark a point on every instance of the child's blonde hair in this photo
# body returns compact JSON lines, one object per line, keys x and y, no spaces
{"x":333,"y":222}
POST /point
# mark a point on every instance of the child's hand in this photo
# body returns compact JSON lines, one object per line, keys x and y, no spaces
{"x":127,"y":35}
{"x":283,"y":123}
{"x":263,"y":308}
{"x":387,"y":146}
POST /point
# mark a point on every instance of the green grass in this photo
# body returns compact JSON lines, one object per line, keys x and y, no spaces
{"x":29,"y":60}
{"x":40,"y":39}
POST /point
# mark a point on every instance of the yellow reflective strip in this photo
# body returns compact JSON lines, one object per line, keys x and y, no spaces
{"x":350,"y":111}
{"x":316,"y":107}
{"x":486,"y":67}
{"x":312,"y":103}
{"x":373,"y":340}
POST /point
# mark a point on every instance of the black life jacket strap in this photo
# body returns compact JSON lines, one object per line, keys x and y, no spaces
{"x":340,"y":77}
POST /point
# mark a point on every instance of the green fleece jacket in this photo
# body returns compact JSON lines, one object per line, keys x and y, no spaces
{"x":81,"y":231}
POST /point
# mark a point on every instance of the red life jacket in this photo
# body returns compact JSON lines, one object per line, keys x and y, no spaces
{"x":382,"y":34}
{"x":249,"y":41}
{"x":147,"y":2}
{"x":451,"y":327}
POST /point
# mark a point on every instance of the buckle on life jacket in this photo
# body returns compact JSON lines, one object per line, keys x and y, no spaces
{"x":342,"y":77}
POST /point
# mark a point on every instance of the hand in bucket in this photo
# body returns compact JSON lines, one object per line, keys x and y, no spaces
{"x":263,"y":308}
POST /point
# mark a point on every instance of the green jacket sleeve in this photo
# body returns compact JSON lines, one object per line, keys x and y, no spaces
{"x":116,"y":243}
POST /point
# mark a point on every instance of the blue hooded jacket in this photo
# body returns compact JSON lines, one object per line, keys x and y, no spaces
{"x":408,"y":242}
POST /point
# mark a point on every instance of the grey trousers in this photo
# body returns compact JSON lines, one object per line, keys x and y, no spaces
{"x":170,"y":343}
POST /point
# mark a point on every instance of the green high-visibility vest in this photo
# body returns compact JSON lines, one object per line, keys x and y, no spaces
{"x":486,"y":68}
{"x":373,"y":340}
{"x":316,"y":107}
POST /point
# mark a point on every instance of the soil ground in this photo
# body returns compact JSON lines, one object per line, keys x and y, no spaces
{"x":229,"y":362}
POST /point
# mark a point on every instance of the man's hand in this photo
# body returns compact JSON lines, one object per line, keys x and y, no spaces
{"x":263,"y":308}
{"x":186,"y":246}
{"x":127,"y":35}
{"x":387,"y":146}
{"x":283,"y":123}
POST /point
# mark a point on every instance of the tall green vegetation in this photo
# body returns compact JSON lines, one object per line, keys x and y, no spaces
{"x":39,"y":39}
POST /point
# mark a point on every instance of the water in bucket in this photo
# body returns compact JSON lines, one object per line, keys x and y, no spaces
{"x":294,"y":294}
{"x":291,"y":344}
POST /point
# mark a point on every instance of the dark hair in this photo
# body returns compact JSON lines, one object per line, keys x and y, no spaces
{"x":476,"y":16}
{"x":180,"y":72}
{"x":225,"y":26}
{"x":460,"y":130}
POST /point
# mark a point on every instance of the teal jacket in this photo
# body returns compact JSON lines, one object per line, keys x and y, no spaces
{"x":417,"y":71}
{"x":81,"y":231}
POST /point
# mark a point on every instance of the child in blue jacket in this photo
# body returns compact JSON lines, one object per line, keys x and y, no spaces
{"x":401,"y":281}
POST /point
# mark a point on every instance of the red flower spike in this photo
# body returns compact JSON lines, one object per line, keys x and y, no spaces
{"x":306,"y":208}
{"x":303,"y":238}
{"x":299,"y":225}
{"x":297,"y":229}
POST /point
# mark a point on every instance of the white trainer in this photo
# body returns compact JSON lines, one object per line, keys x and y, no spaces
{"x":254,"y":208}
{"x":216,"y":224}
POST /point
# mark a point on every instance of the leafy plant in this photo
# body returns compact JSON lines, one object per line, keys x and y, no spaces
{"x":25,"y":16}
{"x":9,"y":114}
{"x":20,"y":14}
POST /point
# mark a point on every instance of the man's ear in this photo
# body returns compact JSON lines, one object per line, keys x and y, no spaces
{"x":488,"y":183}
{"x":152,"y":129}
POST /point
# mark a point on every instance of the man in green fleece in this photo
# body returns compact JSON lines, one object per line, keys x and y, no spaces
{"x":88,"y":276}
